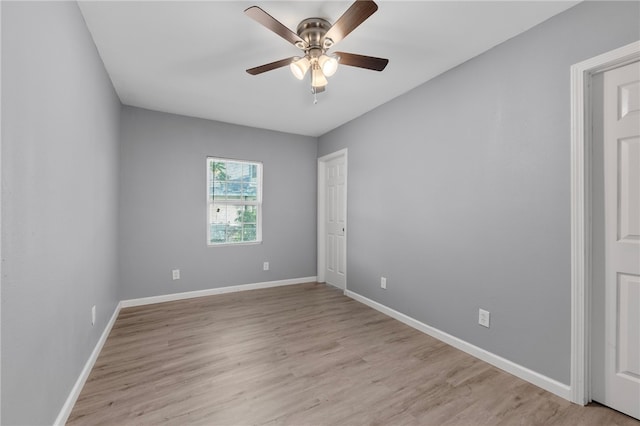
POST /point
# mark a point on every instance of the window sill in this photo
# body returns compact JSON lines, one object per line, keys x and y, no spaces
{"x":251,"y":243}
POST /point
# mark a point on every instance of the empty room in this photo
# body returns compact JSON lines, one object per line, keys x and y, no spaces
{"x":320,"y":213}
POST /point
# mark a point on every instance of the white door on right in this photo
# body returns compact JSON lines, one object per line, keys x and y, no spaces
{"x":622,"y":238}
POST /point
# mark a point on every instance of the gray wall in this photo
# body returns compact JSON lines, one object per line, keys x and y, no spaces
{"x":59,"y":205}
{"x":163,"y":204}
{"x":459,"y":191}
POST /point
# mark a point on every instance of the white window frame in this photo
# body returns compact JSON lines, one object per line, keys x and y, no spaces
{"x":257,"y":203}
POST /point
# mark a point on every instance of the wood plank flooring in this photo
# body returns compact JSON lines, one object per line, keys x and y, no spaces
{"x":301,"y":355}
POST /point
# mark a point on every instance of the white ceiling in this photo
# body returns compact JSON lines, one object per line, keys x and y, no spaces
{"x":190,"y":58}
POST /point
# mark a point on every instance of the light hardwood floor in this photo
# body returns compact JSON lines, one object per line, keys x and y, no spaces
{"x":301,"y":355}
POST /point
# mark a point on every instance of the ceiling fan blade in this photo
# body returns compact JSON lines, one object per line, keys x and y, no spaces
{"x":270,"y":66}
{"x":271,"y":23}
{"x":349,"y":21}
{"x":361,"y":61}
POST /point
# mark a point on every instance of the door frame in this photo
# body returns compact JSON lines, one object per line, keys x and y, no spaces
{"x":581,"y":146}
{"x":322,"y":245}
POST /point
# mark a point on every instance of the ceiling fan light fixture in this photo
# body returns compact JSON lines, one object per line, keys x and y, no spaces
{"x":329,"y":64}
{"x":317,"y":77}
{"x":299,"y":67}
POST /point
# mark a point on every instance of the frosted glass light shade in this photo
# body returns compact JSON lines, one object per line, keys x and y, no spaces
{"x":329,"y":64}
{"x":299,"y":67}
{"x":317,"y":77}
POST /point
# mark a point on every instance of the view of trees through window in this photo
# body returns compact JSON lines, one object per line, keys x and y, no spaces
{"x":234,"y":201}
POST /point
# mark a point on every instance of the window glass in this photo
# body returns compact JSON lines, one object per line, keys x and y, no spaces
{"x":234,"y":201}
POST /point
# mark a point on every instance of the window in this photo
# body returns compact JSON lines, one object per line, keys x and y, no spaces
{"x":234,"y":201}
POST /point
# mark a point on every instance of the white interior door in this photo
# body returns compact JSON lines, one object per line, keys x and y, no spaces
{"x":620,"y":388}
{"x":335,"y":221}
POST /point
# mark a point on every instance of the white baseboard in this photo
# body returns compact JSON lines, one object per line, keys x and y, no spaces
{"x":212,"y":291}
{"x":517,"y":370}
{"x":84,"y":374}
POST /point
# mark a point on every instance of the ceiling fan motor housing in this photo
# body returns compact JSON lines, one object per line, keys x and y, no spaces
{"x":312,"y":31}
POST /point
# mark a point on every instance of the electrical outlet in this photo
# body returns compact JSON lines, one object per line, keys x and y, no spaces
{"x":93,"y":315}
{"x":483,"y":318}
{"x":383,"y":282}
{"x":265,"y":266}
{"x":175,"y":274}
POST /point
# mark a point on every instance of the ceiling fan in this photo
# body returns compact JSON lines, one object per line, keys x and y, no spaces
{"x":315,"y":36}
